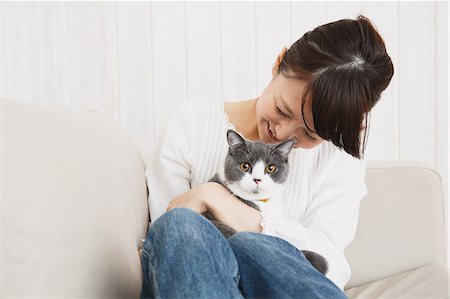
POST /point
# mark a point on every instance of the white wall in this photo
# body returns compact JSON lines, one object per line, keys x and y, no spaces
{"x":136,"y":61}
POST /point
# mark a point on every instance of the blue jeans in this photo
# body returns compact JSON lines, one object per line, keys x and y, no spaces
{"x":186,"y":256}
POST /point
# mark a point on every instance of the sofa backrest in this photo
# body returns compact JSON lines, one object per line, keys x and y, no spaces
{"x":74,"y":204}
{"x":401,"y":222}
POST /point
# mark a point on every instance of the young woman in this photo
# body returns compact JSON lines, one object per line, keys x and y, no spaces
{"x":322,"y":90}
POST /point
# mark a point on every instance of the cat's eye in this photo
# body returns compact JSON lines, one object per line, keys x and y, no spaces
{"x":271,"y":168}
{"x":244,"y":166}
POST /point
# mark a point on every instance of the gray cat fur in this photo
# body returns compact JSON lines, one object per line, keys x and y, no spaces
{"x":241,"y":149}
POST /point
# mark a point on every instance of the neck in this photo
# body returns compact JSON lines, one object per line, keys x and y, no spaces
{"x":243,"y":116}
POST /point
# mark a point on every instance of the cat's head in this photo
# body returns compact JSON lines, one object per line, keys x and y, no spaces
{"x":255,"y":170}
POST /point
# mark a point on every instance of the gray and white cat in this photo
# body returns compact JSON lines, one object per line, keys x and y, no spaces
{"x":254,"y":172}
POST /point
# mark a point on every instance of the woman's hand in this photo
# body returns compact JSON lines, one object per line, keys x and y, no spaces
{"x":217,"y":200}
{"x":195,"y":199}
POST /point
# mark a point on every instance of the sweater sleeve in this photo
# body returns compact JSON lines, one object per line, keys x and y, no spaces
{"x":330,"y":220}
{"x":168,"y":170}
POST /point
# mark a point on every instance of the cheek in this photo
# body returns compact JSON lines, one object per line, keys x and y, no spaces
{"x":247,"y":182}
{"x":268,"y":183}
{"x":266,"y":112}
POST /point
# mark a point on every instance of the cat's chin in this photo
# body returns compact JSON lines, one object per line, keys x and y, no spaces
{"x":257,"y":197}
{"x":250,"y":195}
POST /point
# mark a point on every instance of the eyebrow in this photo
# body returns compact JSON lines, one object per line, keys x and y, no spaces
{"x":285,"y":106}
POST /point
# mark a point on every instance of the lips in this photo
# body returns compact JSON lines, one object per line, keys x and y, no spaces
{"x":269,"y":133}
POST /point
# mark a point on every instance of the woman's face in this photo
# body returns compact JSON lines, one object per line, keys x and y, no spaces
{"x":278,"y":110}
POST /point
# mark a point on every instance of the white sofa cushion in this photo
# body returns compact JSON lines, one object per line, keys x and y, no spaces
{"x":74,"y":204}
{"x":427,"y":282}
{"x":401,"y":224}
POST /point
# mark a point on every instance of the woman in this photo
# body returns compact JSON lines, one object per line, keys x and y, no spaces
{"x":322,"y":90}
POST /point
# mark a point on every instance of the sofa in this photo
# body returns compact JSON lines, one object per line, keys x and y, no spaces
{"x":74,"y":208}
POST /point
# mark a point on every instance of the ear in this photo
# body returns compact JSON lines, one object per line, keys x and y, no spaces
{"x":283,"y":149}
{"x":235,"y":141}
{"x":278,"y":61}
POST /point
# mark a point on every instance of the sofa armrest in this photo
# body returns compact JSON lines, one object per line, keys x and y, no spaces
{"x":401,"y":223}
{"x":424,"y":282}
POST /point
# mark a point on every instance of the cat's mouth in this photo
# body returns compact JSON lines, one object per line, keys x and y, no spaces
{"x":258,"y":190}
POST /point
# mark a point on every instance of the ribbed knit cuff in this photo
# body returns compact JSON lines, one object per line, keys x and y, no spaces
{"x":263,"y":222}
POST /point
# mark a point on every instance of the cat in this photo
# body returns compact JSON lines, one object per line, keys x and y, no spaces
{"x":254,"y":172}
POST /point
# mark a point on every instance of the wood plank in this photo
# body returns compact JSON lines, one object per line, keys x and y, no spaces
{"x":134,"y":54}
{"x":306,"y":16}
{"x":203,"y":51}
{"x":62,"y":59}
{"x":416,"y":74}
{"x":272,"y":34}
{"x":28,"y":50}
{"x":169,"y":71}
{"x":442,"y":107}
{"x":238,"y":45}
{"x":91,"y":49}
{"x":336,"y":10}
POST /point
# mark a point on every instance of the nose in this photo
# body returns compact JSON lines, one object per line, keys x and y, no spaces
{"x":286,"y":131}
{"x":257,"y":181}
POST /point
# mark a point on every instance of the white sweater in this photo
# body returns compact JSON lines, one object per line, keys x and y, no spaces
{"x":321,"y":197}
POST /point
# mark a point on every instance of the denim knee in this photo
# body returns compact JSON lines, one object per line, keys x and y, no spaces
{"x":244,"y":242}
{"x":258,"y":241}
{"x":247,"y":239}
{"x":177,"y":222}
{"x":185,"y":256}
{"x":244,"y":237}
{"x":174,"y":216}
{"x":179,"y":213}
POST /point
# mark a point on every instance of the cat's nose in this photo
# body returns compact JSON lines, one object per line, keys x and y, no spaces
{"x":257,"y":181}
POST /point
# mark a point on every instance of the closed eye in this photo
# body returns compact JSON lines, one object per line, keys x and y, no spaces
{"x":281,"y":113}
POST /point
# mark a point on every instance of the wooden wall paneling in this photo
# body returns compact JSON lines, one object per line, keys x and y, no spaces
{"x":134,"y":51}
{"x":238,"y":46}
{"x":336,"y":10}
{"x":442,"y":106}
{"x":63,"y":60}
{"x":416,"y":75}
{"x":99,"y":55}
{"x":24,"y":69}
{"x":168,"y":60}
{"x":68,"y":41}
{"x":44,"y":80}
{"x":3,"y":60}
{"x":383,"y":138}
{"x":304,"y":17}
{"x":442,"y":82}
{"x":22,"y":47}
{"x":203,"y":50}
{"x":272,"y":34}
{"x":68,"y":44}
{"x":90,"y":48}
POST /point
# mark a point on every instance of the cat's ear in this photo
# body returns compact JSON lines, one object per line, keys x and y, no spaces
{"x":235,"y":141}
{"x":284,"y":148}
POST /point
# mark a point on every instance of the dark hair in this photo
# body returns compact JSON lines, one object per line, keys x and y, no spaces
{"x":346,"y":68}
